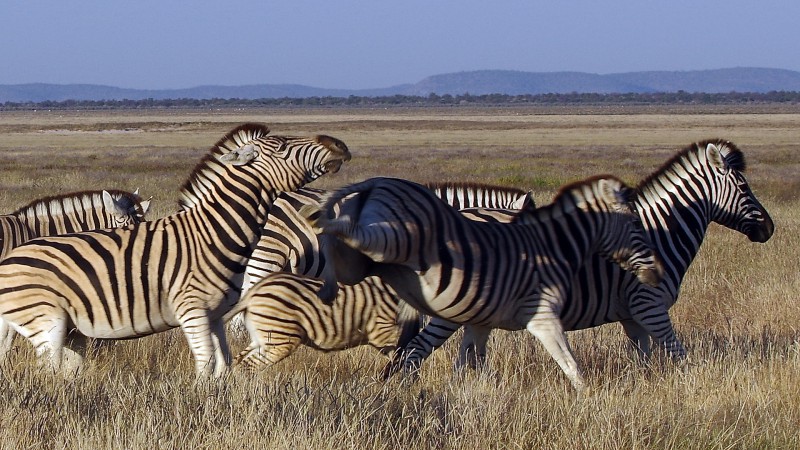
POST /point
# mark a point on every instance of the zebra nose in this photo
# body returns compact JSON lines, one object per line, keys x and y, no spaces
{"x":761,"y":232}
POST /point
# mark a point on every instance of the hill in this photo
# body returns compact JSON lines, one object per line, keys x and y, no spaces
{"x":480,"y":82}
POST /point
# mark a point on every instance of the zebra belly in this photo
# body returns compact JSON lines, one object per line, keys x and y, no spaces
{"x":122,"y":331}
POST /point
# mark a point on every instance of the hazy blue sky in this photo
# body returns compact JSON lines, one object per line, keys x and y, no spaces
{"x":380,"y":43}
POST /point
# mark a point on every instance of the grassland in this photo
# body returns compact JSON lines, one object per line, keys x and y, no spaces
{"x":738,"y":313}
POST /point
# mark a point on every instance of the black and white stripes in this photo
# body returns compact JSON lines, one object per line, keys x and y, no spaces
{"x":490,"y":275}
{"x":68,"y":213}
{"x":183,"y":270}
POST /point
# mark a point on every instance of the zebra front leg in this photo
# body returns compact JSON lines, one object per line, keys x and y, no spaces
{"x":473,"y":347}
{"x":432,"y":336}
{"x":653,"y":317}
{"x":222,"y":354}
{"x":196,"y":327}
{"x":48,"y":336}
{"x":638,"y":337}
{"x":6,"y":339}
{"x":549,"y":331}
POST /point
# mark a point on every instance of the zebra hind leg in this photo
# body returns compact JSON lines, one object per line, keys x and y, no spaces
{"x":6,"y":339}
{"x":267,"y":346}
{"x":259,"y":356}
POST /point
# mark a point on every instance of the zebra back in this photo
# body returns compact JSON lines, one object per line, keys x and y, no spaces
{"x":69,"y":213}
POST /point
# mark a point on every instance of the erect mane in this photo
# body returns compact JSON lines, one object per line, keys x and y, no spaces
{"x":567,"y":189}
{"x":733,"y":156}
{"x":236,"y":138}
{"x":65,"y":203}
{"x":455,"y":185}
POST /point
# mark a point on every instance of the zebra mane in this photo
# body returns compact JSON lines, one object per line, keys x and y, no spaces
{"x":473,"y":186}
{"x":578,"y":186}
{"x":194,"y":186}
{"x":733,"y":156}
{"x":76,"y":201}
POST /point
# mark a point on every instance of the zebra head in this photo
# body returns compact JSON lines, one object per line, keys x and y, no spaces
{"x":295,"y":161}
{"x":124,"y":208}
{"x":249,"y":156}
{"x":621,"y":236}
{"x":732,"y":202}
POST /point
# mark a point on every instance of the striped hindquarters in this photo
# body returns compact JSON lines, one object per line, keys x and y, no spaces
{"x":283,"y":311}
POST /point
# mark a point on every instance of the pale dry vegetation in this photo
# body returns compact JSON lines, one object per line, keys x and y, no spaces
{"x":738,"y":313}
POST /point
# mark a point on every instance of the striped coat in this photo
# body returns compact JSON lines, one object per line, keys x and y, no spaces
{"x":702,"y":183}
{"x":183,"y":270}
{"x":490,"y":275}
{"x":68,"y":213}
{"x":282,"y":311}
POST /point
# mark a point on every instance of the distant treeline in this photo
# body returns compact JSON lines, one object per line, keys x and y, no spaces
{"x":662,"y":98}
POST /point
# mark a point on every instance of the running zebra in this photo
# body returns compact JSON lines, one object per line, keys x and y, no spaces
{"x":491,"y":275}
{"x":281,"y":311}
{"x":183,"y":270}
{"x":702,"y":183}
{"x":68,"y":213}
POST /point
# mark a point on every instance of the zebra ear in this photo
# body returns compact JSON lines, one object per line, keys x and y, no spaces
{"x":145,"y":204}
{"x":113,"y":205}
{"x":612,"y":191}
{"x":240,"y":156}
{"x":716,"y":159}
{"x":526,"y":203}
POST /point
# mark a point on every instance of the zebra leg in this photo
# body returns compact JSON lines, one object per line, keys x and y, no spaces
{"x":48,"y":341}
{"x":639,"y":338}
{"x":196,"y":327}
{"x":222,"y":354}
{"x":653,"y":317}
{"x":432,"y":336}
{"x":550,"y":332}
{"x":264,"y":351}
{"x":6,"y":339}
{"x":473,"y":347}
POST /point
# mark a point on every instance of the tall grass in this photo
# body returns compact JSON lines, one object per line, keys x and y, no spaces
{"x":738,"y":311}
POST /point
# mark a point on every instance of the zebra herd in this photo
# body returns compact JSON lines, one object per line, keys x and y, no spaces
{"x":363,"y":264}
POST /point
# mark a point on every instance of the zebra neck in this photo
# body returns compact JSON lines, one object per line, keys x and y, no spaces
{"x":233,"y":222}
{"x":676,"y":222}
{"x":44,"y":221}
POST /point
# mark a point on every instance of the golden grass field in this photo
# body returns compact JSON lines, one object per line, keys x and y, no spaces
{"x":738,"y":312}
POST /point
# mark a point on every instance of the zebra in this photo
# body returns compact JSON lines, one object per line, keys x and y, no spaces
{"x":702,"y":183}
{"x":288,"y":243}
{"x":284,"y":310}
{"x":68,"y":213}
{"x":490,"y":275}
{"x":183,"y":270}
{"x":281,"y":311}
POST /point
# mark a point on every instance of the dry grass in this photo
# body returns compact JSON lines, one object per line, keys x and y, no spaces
{"x":738,"y":312}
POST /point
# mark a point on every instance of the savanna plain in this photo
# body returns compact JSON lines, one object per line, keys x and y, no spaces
{"x":738,"y":312}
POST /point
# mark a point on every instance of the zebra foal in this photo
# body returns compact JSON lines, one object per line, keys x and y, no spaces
{"x":184,"y":270}
{"x":491,"y":275}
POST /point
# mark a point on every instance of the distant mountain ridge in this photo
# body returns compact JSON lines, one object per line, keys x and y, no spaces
{"x":480,"y":82}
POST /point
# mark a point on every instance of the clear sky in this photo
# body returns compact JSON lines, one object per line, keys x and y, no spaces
{"x":354,"y":44}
